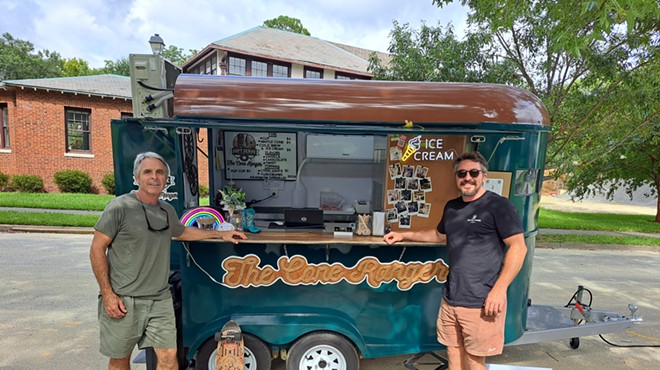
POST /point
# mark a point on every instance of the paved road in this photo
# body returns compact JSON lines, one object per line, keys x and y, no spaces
{"x":48,"y":306}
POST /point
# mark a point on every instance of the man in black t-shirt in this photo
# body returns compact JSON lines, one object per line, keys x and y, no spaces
{"x":486,"y":249}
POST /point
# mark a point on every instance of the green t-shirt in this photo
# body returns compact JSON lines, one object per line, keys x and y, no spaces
{"x":139,"y":259}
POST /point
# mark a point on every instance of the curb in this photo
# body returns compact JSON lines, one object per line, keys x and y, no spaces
{"x":46,"y":229}
{"x":598,"y":247}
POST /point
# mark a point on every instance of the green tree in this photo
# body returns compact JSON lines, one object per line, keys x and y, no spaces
{"x":589,"y":64}
{"x":287,"y":24}
{"x":434,"y":54}
{"x":18,"y":60}
{"x":76,"y":67}
{"x":177,"y":56}
{"x":119,"y":67}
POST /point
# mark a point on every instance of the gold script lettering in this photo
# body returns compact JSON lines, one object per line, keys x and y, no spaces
{"x":245,"y":272}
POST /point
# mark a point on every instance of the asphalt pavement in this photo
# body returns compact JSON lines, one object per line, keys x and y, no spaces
{"x":48,"y":308}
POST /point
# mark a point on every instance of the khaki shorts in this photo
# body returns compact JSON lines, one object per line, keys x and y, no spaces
{"x":481,"y":335}
{"x":147,"y":323}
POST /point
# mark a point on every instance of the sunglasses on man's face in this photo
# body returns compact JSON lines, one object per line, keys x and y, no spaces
{"x":473,"y":173}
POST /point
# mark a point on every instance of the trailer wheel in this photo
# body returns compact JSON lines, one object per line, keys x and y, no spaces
{"x":257,"y":354}
{"x":575,"y":343}
{"x":322,"y":350}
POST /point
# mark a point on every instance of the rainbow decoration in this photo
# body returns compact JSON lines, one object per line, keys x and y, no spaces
{"x":190,"y":217}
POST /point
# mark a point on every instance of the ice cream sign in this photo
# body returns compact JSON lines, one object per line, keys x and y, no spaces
{"x":427,"y":149}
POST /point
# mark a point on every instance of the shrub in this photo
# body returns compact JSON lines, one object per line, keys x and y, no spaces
{"x":108,"y":182}
{"x":27,"y":183}
{"x":4,"y":181}
{"x":74,"y":181}
{"x":203,"y":190}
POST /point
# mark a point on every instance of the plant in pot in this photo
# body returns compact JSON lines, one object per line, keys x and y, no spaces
{"x":232,"y":199}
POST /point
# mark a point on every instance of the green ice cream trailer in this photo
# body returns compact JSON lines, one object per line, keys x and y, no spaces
{"x":327,"y":167}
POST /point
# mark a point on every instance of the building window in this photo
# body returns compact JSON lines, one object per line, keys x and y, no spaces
{"x":280,"y":70}
{"x":259,"y":68}
{"x":313,"y":72}
{"x":206,"y":67}
{"x":348,"y":76}
{"x":4,"y":126}
{"x":77,"y":130}
{"x":211,"y":66}
{"x":236,"y":66}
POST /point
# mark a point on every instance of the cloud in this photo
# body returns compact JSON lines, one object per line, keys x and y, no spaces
{"x":98,"y":30}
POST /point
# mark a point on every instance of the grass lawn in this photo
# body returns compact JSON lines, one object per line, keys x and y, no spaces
{"x":548,"y":219}
{"x":551,"y":219}
{"x":83,"y":202}
{"x":47,"y":219}
{"x":599,"y":239}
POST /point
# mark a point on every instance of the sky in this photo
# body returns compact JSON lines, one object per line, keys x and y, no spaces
{"x":99,"y":30}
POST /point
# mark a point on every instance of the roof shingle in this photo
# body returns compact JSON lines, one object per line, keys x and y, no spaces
{"x":107,"y":85}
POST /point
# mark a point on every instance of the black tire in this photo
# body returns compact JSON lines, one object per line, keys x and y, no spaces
{"x":257,"y":354}
{"x":575,"y":343}
{"x":322,"y":350}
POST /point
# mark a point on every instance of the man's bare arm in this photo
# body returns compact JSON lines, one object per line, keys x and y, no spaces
{"x":513,"y":261}
{"x":112,"y":304}
{"x":428,"y":235}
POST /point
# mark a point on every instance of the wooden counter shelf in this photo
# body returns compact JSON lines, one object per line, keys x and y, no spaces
{"x":312,"y":237}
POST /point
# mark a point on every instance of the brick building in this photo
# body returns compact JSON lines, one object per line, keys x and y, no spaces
{"x":55,"y":124}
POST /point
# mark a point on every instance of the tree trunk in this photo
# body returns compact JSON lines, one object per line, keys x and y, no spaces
{"x":657,"y":191}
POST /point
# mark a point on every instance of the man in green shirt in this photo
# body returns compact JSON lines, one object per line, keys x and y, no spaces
{"x":130,"y":256}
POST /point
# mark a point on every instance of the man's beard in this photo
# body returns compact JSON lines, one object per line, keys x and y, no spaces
{"x":469,"y":193}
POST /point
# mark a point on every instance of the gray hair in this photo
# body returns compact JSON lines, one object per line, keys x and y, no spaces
{"x":142,"y":156}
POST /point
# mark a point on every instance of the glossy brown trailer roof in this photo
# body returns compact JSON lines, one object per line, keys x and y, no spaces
{"x":354,"y":100}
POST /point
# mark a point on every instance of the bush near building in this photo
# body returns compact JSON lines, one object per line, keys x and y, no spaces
{"x":108,"y":183}
{"x":27,"y":183}
{"x":4,"y":181}
{"x":73,"y":181}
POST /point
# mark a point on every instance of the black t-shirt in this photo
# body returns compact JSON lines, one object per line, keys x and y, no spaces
{"x":475,"y":231}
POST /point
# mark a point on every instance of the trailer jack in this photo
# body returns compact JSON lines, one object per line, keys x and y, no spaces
{"x":410,"y":362}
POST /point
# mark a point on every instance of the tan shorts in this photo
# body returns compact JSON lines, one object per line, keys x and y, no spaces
{"x":147,"y":323}
{"x":481,"y":335}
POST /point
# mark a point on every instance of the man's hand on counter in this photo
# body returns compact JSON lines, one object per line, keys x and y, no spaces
{"x":193,"y":233}
{"x":230,"y":236}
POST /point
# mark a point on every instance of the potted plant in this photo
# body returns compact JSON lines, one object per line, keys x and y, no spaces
{"x":232,"y":199}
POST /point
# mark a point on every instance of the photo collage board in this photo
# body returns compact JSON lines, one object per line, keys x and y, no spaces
{"x":420,"y":179}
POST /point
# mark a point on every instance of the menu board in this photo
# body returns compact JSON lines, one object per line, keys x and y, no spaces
{"x":260,"y":155}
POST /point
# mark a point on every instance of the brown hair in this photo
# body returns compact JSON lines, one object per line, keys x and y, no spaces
{"x":474,"y":157}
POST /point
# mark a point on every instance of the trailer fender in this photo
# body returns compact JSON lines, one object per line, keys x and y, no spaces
{"x":281,"y":330}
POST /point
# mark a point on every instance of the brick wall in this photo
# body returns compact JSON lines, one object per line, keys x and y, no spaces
{"x":38,"y":136}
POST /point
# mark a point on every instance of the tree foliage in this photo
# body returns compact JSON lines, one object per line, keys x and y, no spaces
{"x":76,"y":67}
{"x":18,"y":60}
{"x":119,"y":67}
{"x":287,"y":24}
{"x":595,"y":67}
{"x":575,"y":25}
{"x":177,"y":56}
{"x":434,"y":54}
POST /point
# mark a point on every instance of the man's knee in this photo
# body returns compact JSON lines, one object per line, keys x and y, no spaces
{"x":453,"y":350}
{"x":166,"y":358}
{"x":455,"y":354}
{"x":120,"y":363}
